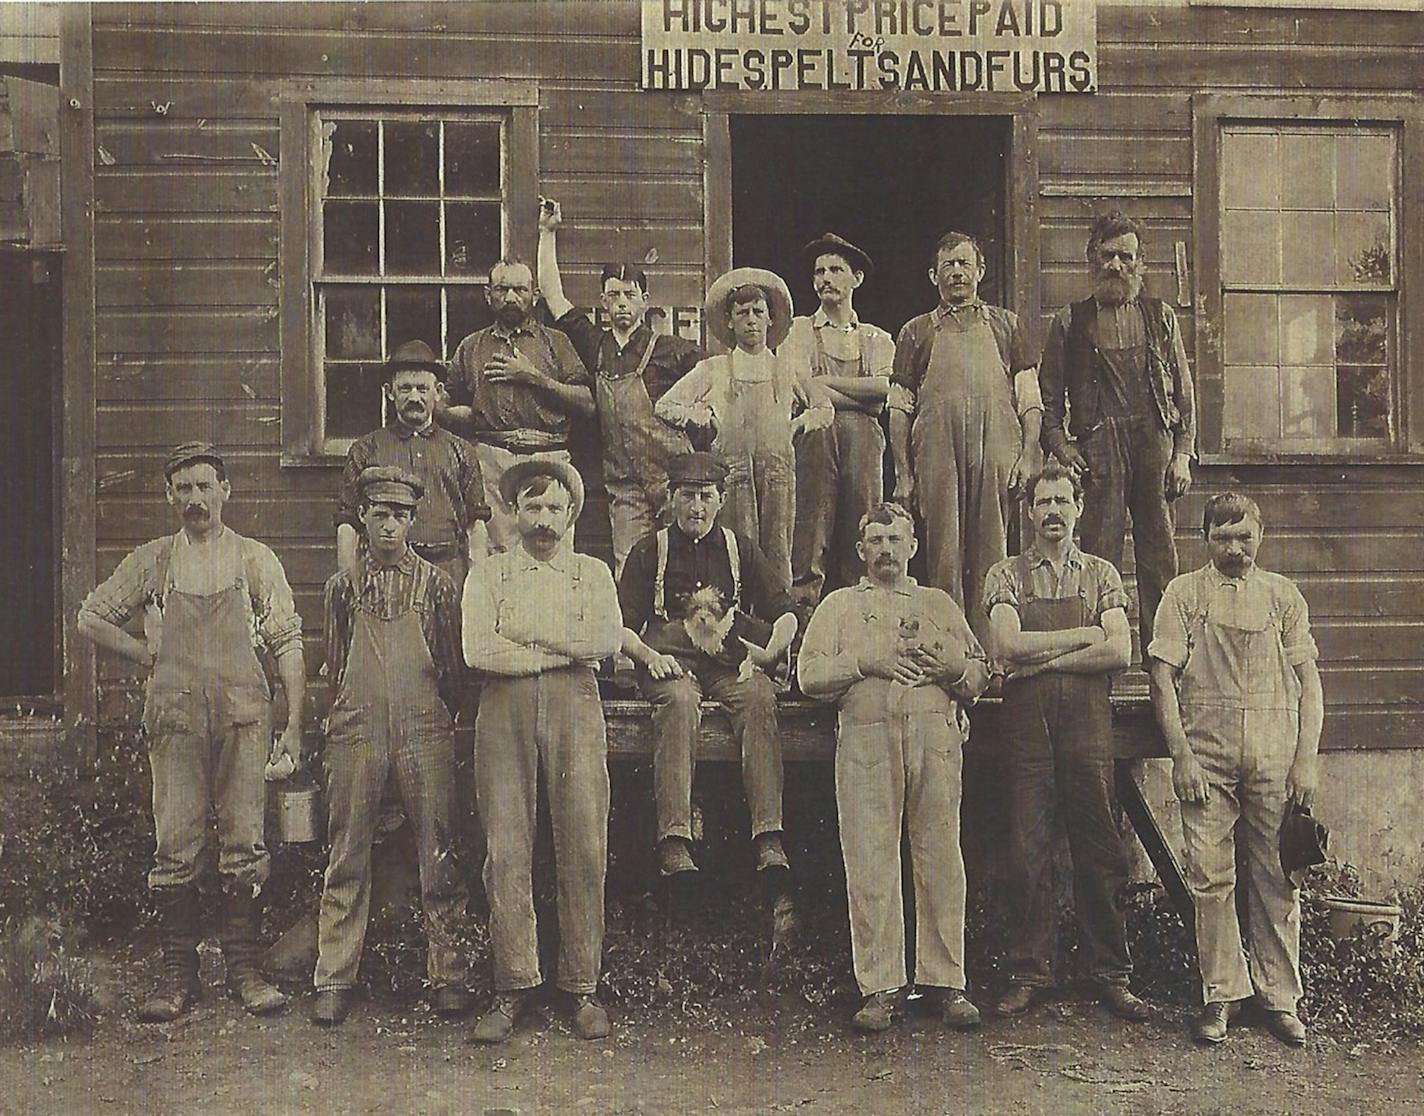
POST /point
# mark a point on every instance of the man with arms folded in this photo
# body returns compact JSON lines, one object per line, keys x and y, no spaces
{"x":896,"y":658}
{"x":1238,"y":697}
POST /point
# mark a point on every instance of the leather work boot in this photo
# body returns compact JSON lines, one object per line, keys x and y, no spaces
{"x":1286,"y":1026}
{"x":497,"y":1024}
{"x":590,"y":1019}
{"x":241,"y":915}
{"x":876,"y":1013}
{"x":769,"y":853}
{"x":1211,"y":1023}
{"x":332,"y":1006}
{"x":956,"y":1011}
{"x":1119,"y":1000}
{"x":178,"y":988}
{"x":675,"y":856}
{"x":450,"y":1001}
{"x":1017,"y":1000}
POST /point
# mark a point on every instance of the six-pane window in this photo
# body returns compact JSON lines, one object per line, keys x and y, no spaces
{"x":411,"y":216}
{"x":1310,"y":282}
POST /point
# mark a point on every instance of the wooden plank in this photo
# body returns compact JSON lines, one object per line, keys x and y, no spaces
{"x":650,"y":246}
{"x":163,"y":97}
{"x":1266,"y":67}
{"x":1378,"y":596}
{"x":1142,"y":207}
{"x":1063,"y":242}
{"x":1094,"y":152}
{"x":1301,"y":26}
{"x":178,"y":144}
{"x":1309,"y":553}
{"x":78,"y":427}
{"x":365,"y":54}
{"x":219,"y":380}
{"x":33,"y":115}
{"x":1292,"y":505}
{"x":205,"y":189}
{"x":305,"y":518}
{"x":193,"y":237}
{"x":207,"y":282}
{"x":717,"y":197}
{"x":612,"y":197}
{"x":253,"y":474}
{"x":634,"y":155}
{"x":234,"y":330}
{"x":1108,"y":111}
{"x":1372,"y":685}
{"x":596,"y":109}
{"x":251,"y":425}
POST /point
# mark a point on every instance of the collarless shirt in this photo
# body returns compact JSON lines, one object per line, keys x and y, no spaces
{"x":916,"y":338}
{"x":387,"y":592}
{"x":672,"y":357}
{"x":1261,"y":599}
{"x":1094,"y":579}
{"x":444,"y":462}
{"x":511,"y":414}
{"x":855,"y":349}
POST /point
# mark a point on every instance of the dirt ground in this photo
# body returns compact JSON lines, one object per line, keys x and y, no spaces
{"x":757,"y":1055}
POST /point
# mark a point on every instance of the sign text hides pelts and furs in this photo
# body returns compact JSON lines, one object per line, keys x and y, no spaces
{"x":928,"y":46}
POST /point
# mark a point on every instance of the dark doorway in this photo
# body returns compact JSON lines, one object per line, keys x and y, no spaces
{"x":29,"y":379}
{"x":891,"y":184}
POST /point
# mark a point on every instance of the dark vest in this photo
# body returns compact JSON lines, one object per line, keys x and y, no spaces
{"x":1082,"y":361}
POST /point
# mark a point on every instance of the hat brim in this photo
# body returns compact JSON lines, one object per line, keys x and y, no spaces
{"x":435,"y":368}
{"x":857,"y":259}
{"x":714,"y":311}
{"x":174,"y":464}
{"x":515,"y":476}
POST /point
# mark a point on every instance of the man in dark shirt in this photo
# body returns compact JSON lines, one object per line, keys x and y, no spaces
{"x":689,"y":594}
{"x":515,"y":387}
{"x":394,"y":659}
{"x":450,"y":529}
{"x":632,"y":367}
{"x":1116,"y":359}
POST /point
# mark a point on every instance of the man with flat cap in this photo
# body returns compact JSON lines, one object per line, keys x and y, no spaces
{"x":213,"y":603}
{"x":538,"y":619}
{"x":839,"y":470}
{"x":450,"y":529}
{"x":632,"y":367}
{"x":755,"y":406}
{"x":705,"y":612}
{"x":394,"y":660}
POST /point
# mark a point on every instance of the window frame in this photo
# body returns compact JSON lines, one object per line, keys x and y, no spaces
{"x":1210,"y":111}
{"x":299,"y":108}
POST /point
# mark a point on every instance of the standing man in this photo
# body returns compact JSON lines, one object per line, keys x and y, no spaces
{"x":518,"y":385}
{"x":1238,"y":697}
{"x":632,"y":367}
{"x":897,"y":659}
{"x":687,"y":595}
{"x":210,"y":600}
{"x":964,"y":424}
{"x":538,"y":619}
{"x":1116,"y":360}
{"x":1059,"y":621}
{"x":393,"y":656}
{"x":840,"y":471}
{"x":450,"y":530}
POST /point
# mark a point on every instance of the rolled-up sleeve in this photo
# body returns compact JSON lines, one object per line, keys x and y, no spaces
{"x":1111,"y":593}
{"x":278,"y":624}
{"x":1001,"y":586}
{"x":1169,"y":628}
{"x":337,"y":627}
{"x":126,"y":592}
{"x":472,"y":485}
{"x":677,"y":403}
{"x":911,"y":356}
{"x":1296,"y":640}
{"x":950,"y":619}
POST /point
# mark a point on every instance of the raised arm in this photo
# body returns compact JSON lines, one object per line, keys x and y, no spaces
{"x":551,"y":283}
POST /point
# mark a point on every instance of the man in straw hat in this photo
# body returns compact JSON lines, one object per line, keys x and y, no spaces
{"x":754,"y":406}
{"x":538,"y":619}
{"x":211,"y":600}
{"x":839,"y":470}
{"x":394,"y":661}
{"x":450,"y":529}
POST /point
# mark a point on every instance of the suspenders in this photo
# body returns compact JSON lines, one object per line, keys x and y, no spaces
{"x":733,"y":559}
{"x":642,"y":364}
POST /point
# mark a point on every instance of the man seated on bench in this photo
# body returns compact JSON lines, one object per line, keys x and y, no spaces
{"x":704,"y":612}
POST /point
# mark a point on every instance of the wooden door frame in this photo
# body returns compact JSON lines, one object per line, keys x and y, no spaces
{"x":1020,"y":167}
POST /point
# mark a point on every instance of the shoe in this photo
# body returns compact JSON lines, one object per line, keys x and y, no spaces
{"x":956,"y":1011}
{"x":1017,"y":1000}
{"x":497,"y":1024}
{"x":241,"y":916}
{"x":876,"y":1013}
{"x":1286,"y":1026}
{"x":675,"y":856}
{"x":1119,"y":1000}
{"x":450,"y":1001}
{"x":769,"y":853}
{"x":1211,"y":1023}
{"x":590,"y":1019}
{"x":178,"y":988}
{"x":332,"y":1006}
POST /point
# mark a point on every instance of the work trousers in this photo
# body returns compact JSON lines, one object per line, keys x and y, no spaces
{"x":502,"y":528}
{"x":839,"y":477}
{"x":1058,"y":758}
{"x":903,"y":770}
{"x":358,"y":764}
{"x":633,"y":515}
{"x":677,"y":722}
{"x":553,"y":719}
{"x":1247,"y":755}
{"x":206,"y":750}
{"x":1128,"y":460}
{"x":761,"y":503}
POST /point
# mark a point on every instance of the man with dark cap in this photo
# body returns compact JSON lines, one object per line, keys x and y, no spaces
{"x":1115,"y":370}
{"x":212,"y":602}
{"x":697,"y":601}
{"x":394,"y":659}
{"x":538,"y":619}
{"x":840,"y":470}
{"x":1239,"y":701}
{"x":450,"y":529}
{"x":632,"y":367}
{"x":516,"y":387}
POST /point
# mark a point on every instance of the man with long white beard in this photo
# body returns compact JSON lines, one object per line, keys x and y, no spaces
{"x":1117,"y":362}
